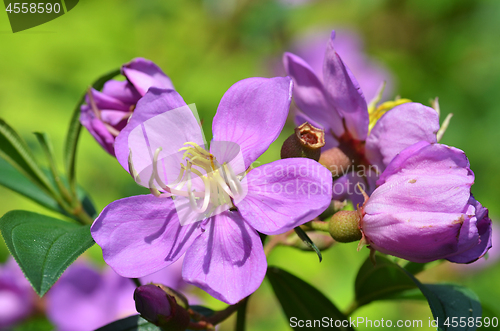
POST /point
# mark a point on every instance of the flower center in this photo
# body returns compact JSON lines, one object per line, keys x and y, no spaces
{"x":218,"y":186}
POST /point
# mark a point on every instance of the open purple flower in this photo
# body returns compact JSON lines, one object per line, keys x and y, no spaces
{"x":423,"y":209}
{"x":106,"y":113}
{"x":17,"y":298}
{"x":225,"y":201}
{"x":336,"y":103}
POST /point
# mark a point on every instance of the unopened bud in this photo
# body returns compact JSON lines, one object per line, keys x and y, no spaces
{"x":305,"y":142}
{"x":337,"y":161}
{"x":159,"y":308}
{"x":344,"y":226}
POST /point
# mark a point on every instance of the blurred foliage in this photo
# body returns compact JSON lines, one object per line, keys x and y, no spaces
{"x":445,"y":48}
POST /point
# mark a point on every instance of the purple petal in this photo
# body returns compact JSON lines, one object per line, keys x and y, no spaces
{"x":140,"y":235}
{"x":154,"y":103}
{"x":344,"y":93}
{"x":475,"y":238}
{"x":285,"y":194}
{"x":97,"y":129}
{"x":170,"y":276}
{"x":436,"y":179}
{"x":144,"y":74}
{"x":104,"y":101}
{"x":121,"y":90}
{"x":415,"y":236}
{"x":309,"y":95}
{"x":227,"y":260}
{"x":252,"y":113}
{"x":83,"y":299}
{"x":399,"y":128}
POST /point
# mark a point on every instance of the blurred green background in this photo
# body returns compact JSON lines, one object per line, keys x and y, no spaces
{"x":444,"y":48}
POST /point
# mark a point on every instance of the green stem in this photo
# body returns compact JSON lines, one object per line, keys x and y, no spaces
{"x":136,"y":281}
{"x":319,"y":226}
{"x":241,"y":316}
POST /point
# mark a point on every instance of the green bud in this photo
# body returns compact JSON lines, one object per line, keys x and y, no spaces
{"x":344,"y":226}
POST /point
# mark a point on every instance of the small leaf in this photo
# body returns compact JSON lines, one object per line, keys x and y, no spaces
{"x":14,"y":180}
{"x":380,"y":281}
{"x":131,"y":323}
{"x":448,"y":301}
{"x":75,"y":128}
{"x":301,"y":301}
{"x":305,"y":238}
{"x":43,"y":246}
{"x":15,"y":151}
{"x":17,"y":182}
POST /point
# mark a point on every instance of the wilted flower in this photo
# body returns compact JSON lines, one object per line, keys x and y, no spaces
{"x":367,"y":134}
{"x":106,"y":113}
{"x":17,"y":298}
{"x":423,"y":209}
{"x":224,"y":254}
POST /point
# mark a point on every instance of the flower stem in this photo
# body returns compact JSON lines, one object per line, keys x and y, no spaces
{"x":208,"y":323}
{"x":319,"y":226}
{"x":241,"y":316}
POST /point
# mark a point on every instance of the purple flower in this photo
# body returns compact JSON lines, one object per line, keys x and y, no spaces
{"x":336,"y":103}
{"x":220,"y":202}
{"x":106,"y":113}
{"x":423,"y":209}
{"x":84,"y":299}
{"x":17,"y":298}
{"x":311,"y":47}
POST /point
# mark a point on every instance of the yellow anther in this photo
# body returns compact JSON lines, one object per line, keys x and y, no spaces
{"x":376,"y":113}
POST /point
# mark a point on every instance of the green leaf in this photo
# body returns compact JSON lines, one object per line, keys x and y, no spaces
{"x":381,"y":281}
{"x":15,"y":151}
{"x":43,"y":246}
{"x":17,"y":182}
{"x":132,"y":323}
{"x":75,"y":128}
{"x":305,"y":238}
{"x":302,"y":301}
{"x":448,"y":301}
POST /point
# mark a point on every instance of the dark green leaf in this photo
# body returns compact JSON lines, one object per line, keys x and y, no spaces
{"x":15,"y":151}
{"x":448,"y":301}
{"x":132,"y":323}
{"x":305,"y":238}
{"x":43,"y":246}
{"x":380,"y":281}
{"x":75,"y":128}
{"x":302,"y":301}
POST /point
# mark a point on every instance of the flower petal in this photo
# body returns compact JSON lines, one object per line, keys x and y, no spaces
{"x":144,"y":74}
{"x":415,"y":236}
{"x":434,"y":179}
{"x":344,"y":93}
{"x":227,"y":260}
{"x":473,"y":247}
{"x":181,"y":127}
{"x":252,"y":114}
{"x":140,"y":235}
{"x":399,"y":128}
{"x":309,"y":95}
{"x":121,"y":90}
{"x":285,"y":194}
{"x":97,"y":129}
